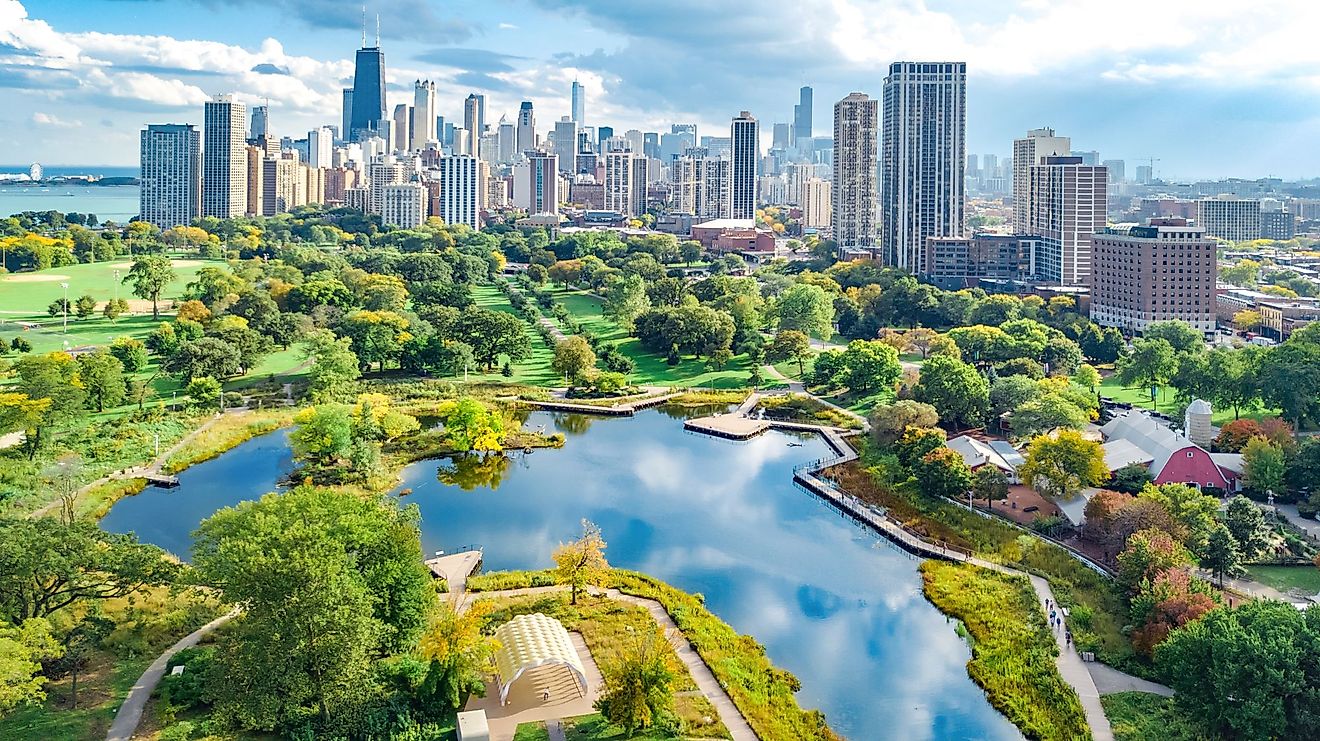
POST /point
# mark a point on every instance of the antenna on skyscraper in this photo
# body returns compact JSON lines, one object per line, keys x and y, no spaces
{"x":378,"y":30}
{"x":364,"y":26}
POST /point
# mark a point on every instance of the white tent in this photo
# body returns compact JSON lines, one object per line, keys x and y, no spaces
{"x":531,"y":641}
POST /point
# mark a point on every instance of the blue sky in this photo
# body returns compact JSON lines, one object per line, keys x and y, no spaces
{"x":1207,"y":86}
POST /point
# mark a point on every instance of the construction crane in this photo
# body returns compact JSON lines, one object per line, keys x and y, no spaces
{"x":1152,"y":161}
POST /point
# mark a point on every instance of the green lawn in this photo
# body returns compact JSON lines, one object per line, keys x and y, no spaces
{"x":31,"y":293}
{"x":1304,"y":577}
{"x":533,"y":370}
{"x":652,"y":370}
{"x":1167,"y":402}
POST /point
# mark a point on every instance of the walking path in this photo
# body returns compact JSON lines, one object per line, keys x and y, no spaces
{"x":733,"y":719}
{"x":1110,"y":680}
{"x":130,"y":712}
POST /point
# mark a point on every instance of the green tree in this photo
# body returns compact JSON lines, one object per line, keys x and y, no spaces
{"x":1130,"y":479}
{"x":204,"y":391}
{"x":1247,"y":525}
{"x":131,"y":352}
{"x":1064,"y":464}
{"x":470,"y":425}
{"x":84,"y":306}
{"x":806,"y":308}
{"x":989,"y":483}
{"x":460,"y":655}
{"x":1149,"y":365}
{"x":638,"y":692}
{"x":625,"y":300}
{"x":52,"y":376}
{"x":1290,"y":379}
{"x":1193,"y":510}
{"x":1180,"y":335}
{"x":1008,"y":393}
{"x":916,"y":442}
{"x":1222,"y":555}
{"x":889,"y":422}
{"x":871,"y":364}
{"x":102,"y":376}
{"x":690,"y":250}
{"x":958,"y":392}
{"x":150,"y":276}
{"x":493,"y":333}
{"x":581,"y":562}
{"x":208,"y":356}
{"x":1046,"y":413}
{"x":574,"y":359}
{"x":22,"y":649}
{"x":790,"y":345}
{"x":375,"y":336}
{"x":323,"y":436}
{"x":335,"y":368}
{"x":1087,"y":376}
{"x":942,"y":473}
{"x":1147,"y":554}
{"x":1265,"y":466}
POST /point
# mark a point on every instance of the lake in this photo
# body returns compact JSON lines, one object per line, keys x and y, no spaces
{"x":117,"y":203}
{"x":831,"y":603}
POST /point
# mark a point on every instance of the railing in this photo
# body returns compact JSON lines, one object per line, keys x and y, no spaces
{"x":1087,"y":561}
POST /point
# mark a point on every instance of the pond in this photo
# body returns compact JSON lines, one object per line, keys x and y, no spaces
{"x":841,"y":610}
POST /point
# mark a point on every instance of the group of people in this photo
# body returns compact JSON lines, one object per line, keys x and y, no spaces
{"x":1057,"y":614}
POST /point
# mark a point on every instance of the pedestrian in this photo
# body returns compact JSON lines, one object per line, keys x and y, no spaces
{"x":1068,"y":635}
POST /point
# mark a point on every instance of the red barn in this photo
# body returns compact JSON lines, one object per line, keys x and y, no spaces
{"x":1134,"y":437}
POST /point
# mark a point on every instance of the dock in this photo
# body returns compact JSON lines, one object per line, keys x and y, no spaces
{"x":164,"y":481}
{"x":622,"y":409}
{"x":455,"y":568}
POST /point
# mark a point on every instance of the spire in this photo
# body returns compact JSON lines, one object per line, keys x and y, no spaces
{"x":378,"y":30}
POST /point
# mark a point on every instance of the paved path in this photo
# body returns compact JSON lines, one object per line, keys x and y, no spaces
{"x":1110,"y":680}
{"x":554,"y":730}
{"x":130,"y":712}
{"x":1310,"y":527}
{"x":733,"y":719}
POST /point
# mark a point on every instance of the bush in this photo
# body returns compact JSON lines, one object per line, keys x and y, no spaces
{"x":500,"y":580}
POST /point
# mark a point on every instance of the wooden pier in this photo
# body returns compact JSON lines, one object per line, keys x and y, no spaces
{"x":455,"y":568}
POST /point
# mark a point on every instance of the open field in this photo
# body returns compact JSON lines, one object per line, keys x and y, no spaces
{"x":31,"y":293}
{"x":1167,"y":403}
{"x":533,"y":370}
{"x":1304,"y":577}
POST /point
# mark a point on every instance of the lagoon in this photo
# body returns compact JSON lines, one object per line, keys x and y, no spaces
{"x":831,"y":603}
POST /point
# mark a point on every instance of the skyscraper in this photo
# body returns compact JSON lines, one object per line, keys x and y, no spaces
{"x":802,"y":114}
{"x":579,"y":103}
{"x":1161,"y":272}
{"x":402,"y":128}
{"x":423,"y":114}
{"x":1069,"y":204}
{"x":368,"y":92}
{"x":507,"y":141}
{"x":625,"y":183}
{"x":1029,"y":151}
{"x":744,"y":135}
{"x":171,"y":174}
{"x":260,"y":122}
{"x":536,"y":184}
{"x":224,"y":158}
{"x":346,"y":127}
{"x":563,"y":142}
{"x":459,"y":192}
{"x":472,"y":122}
{"x":320,"y":147}
{"x":526,"y":127}
{"x":923,"y":148}
{"x":856,"y":132}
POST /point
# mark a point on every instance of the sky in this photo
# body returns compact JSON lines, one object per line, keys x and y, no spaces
{"x":1210,"y":88}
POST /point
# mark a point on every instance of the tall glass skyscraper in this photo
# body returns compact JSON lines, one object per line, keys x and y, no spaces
{"x":802,"y":115}
{"x":745,"y":136}
{"x":579,"y":103}
{"x":368,"y":92}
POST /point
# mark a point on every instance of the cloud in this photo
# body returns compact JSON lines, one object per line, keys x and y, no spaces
{"x":399,"y":19}
{"x":474,"y":60}
{"x":46,"y":119}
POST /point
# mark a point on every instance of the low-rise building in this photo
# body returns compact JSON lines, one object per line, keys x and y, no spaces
{"x":953,"y":263}
{"x":1136,"y":438}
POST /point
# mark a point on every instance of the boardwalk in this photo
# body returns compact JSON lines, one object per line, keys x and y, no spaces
{"x":455,"y":568}
{"x":622,"y":409}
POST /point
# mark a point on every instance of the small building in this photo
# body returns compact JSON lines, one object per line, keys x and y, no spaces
{"x":1134,"y":437}
{"x":977,"y":453}
{"x":473,"y":726}
{"x":536,"y":644}
{"x":708,"y":231}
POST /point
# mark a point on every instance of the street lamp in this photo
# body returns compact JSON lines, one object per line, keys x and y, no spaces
{"x":65,"y":286}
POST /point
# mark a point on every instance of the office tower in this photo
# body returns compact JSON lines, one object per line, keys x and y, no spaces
{"x":651,"y":144}
{"x":260,"y":124}
{"x":368,"y":91}
{"x":973,"y":166}
{"x":745,"y":143}
{"x":816,"y":203}
{"x":320,"y":147}
{"x":403,"y":205}
{"x":636,"y":141}
{"x":171,"y":175}
{"x":399,"y":131}
{"x":856,"y":136}
{"x":802,"y":115}
{"x":922,"y":184}
{"x":423,"y":114}
{"x":1117,"y":171}
{"x":1028,"y":152}
{"x":563,"y":142}
{"x":1091,"y":158}
{"x":472,"y":122}
{"x":782,"y":136}
{"x":603,"y":133}
{"x":1145,"y":174}
{"x":536,"y":184}
{"x":688,"y":132}
{"x":579,"y":104}
{"x":488,"y":149}
{"x":346,"y":128}
{"x":481,"y":112}
{"x":507,"y":140}
{"x":459,"y":200}
{"x":380,"y":175}
{"x":1069,"y":202}
{"x":1154,"y":273}
{"x":990,"y":165}
{"x":1229,"y":217}
{"x":224,"y":158}
{"x":526,"y":128}
{"x":625,"y":183}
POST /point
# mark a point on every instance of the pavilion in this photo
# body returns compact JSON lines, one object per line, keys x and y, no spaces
{"x":538,"y":646}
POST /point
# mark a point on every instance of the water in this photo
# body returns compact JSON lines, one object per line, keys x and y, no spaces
{"x":117,"y":203}
{"x":831,"y":604}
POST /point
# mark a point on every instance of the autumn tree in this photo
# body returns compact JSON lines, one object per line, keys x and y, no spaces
{"x":582,"y":561}
{"x":574,"y":359}
{"x":1062,"y":465}
{"x":638,"y":692}
{"x":942,"y":473}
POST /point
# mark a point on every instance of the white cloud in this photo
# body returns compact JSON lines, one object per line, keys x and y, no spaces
{"x":46,"y":119}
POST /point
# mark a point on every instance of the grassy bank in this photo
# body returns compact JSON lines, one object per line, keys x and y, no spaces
{"x":1304,"y":577}
{"x":227,"y":433}
{"x":1141,"y":716}
{"x":807,"y":410}
{"x":1013,"y":652}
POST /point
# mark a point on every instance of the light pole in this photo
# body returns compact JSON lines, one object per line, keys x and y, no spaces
{"x":65,"y":286}
{"x":116,"y":285}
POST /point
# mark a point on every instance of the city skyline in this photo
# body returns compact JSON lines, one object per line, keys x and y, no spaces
{"x":88,"y":78}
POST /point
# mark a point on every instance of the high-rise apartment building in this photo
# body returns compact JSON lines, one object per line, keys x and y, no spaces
{"x":508,"y":144}
{"x":625,"y":183}
{"x":579,"y":104}
{"x":745,"y":143}
{"x":403,"y":205}
{"x":424,"y":114}
{"x":256,"y":180}
{"x":923,"y":147}
{"x":526,"y":137}
{"x":536,"y":184}
{"x":1160,"y":272}
{"x":346,"y":123}
{"x":224,"y":158}
{"x":816,"y":203}
{"x":714,"y":193}
{"x":1070,"y":203}
{"x":368,"y":93}
{"x":1117,"y":171}
{"x":1229,"y":217}
{"x":279,"y":186}
{"x":802,"y":115}
{"x":401,"y":128}
{"x":171,"y":175}
{"x":460,"y":192}
{"x":954,"y":263}
{"x":320,"y":148}
{"x":1029,"y":151}
{"x":563,"y":142}
{"x":380,"y":175}
{"x":856,"y":136}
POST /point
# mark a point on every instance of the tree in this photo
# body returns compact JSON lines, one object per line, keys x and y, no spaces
{"x":1148,"y":554}
{"x":1222,"y":555}
{"x":638,"y":690}
{"x":47,"y":565}
{"x":1247,"y":525}
{"x":84,"y":306}
{"x":59,"y":307}
{"x":208,"y":356}
{"x":150,"y":276}
{"x":194,"y":311}
{"x":871,"y":365}
{"x":334,"y":366}
{"x":102,"y":376}
{"x":790,"y":345}
{"x":204,"y":391}
{"x":1149,"y":365}
{"x":1193,"y":510}
{"x":1247,"y":672}
{"x":79,"y":645}
{"x":1008,"y":393}
{"x":1246,"y":320}
{"x":22,"y":649}
{"x":582,"y":561}
{"x":1130,"y":479}
{"x":989,"y":483}
{"x":323,"y":436}
{"x":958,"y":392}
{"x":889,"y":422}
{"x":1180,"y":335}
{"x":1064,"y":464}
{"x":1101,"y":345}
{"x":1087,"y":376}
{"x":1265,"y":466}
{"x":1046,"y":413}
{"x":916,"y":442}
{"x":625,"y":300}
{"x":493,"y":333}
{"x":923,"y":340}
{"x":942,"y":473}
{"x":130,"y":352}
{"x":460,"y":655}
{"x":470,"y":425}
{"x":376,"y":336}
{"x":806,"y":308}
{"x":53,"y":376}
{"x":574,"y":359}
{"x":1290,"y":379}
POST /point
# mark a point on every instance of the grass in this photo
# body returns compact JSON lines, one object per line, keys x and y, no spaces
{"x":1013,"y":652}
{"x":595,"y":728}
{"x":806,"y":409}
{"x":1305,"y":577}
{"x":20,"y":293}
{"x":1141,"y":716}
{"x":535,"y":369}
{"x":226,"y":433}
{"x":1168,"y":403}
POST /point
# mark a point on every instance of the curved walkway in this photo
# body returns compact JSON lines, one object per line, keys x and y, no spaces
{"x":130,"y":712}
{"x":733,"y":719}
